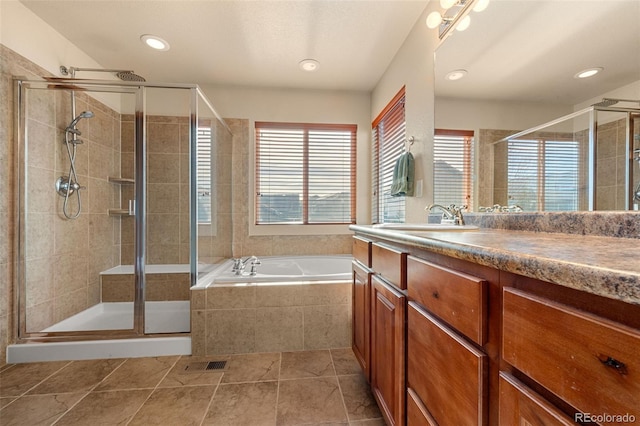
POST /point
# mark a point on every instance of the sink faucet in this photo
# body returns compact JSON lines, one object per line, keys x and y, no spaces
{"x":452,"y":213}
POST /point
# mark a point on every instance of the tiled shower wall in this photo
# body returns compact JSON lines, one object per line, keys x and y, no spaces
{"x":168,"y":232}
{"x":63,"y":257}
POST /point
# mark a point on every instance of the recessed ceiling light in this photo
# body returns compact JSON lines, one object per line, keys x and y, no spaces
{"x":588,"y":72}
{"x":455,"y":75}
{"x":309,"y":65}
{"x":154,"y":42}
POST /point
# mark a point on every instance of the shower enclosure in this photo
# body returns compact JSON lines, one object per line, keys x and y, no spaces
{"x":587,"y":160}
{"x":116,"y":188}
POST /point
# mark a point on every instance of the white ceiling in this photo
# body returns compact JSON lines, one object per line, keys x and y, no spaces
{"x":241,"y":43}
{"x":529,"y":50}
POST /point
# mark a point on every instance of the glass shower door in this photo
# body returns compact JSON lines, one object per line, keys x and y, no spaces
{"x":71,"y":277}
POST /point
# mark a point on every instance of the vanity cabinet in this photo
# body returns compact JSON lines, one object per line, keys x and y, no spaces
{"x":447,"y":368}
{"x":519,"y":405}
{"x":589,"y":362}
{"x":453,"y":342}
{"x":361,"y":324}
{"x":388,"y":311}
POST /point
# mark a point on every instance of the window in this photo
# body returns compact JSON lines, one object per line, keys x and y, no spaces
{"x":205,"y":178}
{"x":543,"y":174}
{"x":453,"y":167}
{"x":305,"y":173}
{"x":389,"y":138}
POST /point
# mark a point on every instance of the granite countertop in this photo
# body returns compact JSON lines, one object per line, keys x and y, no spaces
{"x":605,"y":266}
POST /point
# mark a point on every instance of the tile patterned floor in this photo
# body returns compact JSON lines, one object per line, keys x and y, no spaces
{"x":323,"y":387}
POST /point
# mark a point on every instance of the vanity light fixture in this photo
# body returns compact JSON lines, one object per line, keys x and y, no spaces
{"x":155,"y":42}
{"x":309,"y":65}
{"x":455,"y":15}
{"x":455,"y":75}
{"x":590,"y":72}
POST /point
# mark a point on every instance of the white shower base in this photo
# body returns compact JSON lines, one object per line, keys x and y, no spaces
{"x":99,"y":349}
{"x":160,"y":317}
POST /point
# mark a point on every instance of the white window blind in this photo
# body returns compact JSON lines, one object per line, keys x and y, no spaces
{"x":204,"y":174}
{"x":305,"y":173}
{"x":453,"y":167}
{"x":543,"y":174}
{"x":389,"y":138}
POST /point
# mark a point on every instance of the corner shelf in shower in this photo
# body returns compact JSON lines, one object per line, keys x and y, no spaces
{"x":121,"y":180}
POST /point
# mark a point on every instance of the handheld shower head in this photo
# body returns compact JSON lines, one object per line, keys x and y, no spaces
{"x":72,"y":126}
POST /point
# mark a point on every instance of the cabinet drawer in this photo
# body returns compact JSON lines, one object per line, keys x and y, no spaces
{"x":390,"y":263}
{"x":457,"y":298}
{"x":591,"y":363}
{"x":361,"y":251}
{"x":519,"y":405}
{"x":447,"y":373}
{"x":417,"y":413}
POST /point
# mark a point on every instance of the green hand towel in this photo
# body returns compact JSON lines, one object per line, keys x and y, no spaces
{"x":403,"y":171}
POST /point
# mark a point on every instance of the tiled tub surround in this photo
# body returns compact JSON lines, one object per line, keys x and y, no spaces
{"x":605,"y":266}
{"x":264,"y":317}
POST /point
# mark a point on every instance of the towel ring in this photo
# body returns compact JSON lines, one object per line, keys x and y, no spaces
{"x":409,"y":141}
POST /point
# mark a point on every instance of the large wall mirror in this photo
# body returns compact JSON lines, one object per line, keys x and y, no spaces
{"x":518,"y":61}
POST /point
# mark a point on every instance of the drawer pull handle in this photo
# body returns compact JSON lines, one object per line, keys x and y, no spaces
{"x":436,"y":295}
{"x":613,"y":363}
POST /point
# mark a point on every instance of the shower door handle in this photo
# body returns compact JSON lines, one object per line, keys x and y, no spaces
{"x":132,"y":207}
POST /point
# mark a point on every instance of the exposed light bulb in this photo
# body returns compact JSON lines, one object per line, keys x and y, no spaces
{"x":481,"y":5}
{"x":434,"y":19}
{"x":446,"y":4}
{"x":464,"y":23}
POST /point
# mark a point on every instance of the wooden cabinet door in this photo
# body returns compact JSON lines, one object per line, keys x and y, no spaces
{"x":388,"y":309}
{"x":519,"y":405}
{"x":361,"y":318}
{"x":445,"y":372}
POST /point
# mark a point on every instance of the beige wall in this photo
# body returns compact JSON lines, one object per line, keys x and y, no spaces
{"x":413,"y":67}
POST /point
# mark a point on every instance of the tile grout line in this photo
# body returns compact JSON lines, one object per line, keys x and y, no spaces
{"x":275,"y":420}
{"x":87,"y":393}
{"x":215,"y":391}
{"x":153,"y":390}
{"x":344,"y":405}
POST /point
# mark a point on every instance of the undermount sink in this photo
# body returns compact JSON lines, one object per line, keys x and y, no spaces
{"x":425,"y":227}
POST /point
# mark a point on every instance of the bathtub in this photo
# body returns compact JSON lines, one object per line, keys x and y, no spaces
{"x":283,"y":269}
{"x":293,"y":303}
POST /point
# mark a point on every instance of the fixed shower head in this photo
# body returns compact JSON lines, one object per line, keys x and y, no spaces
{"x":124,"y":75}
{"x":72,"y":126}
{"x":605,"y":102}
{"x":129,"y":76}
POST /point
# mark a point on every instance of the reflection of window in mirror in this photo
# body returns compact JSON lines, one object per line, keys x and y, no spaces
{"x":543,"y":174}
{"x":453,"y":167}
{"x":389,"y":138}
{"x":206,"y":180}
